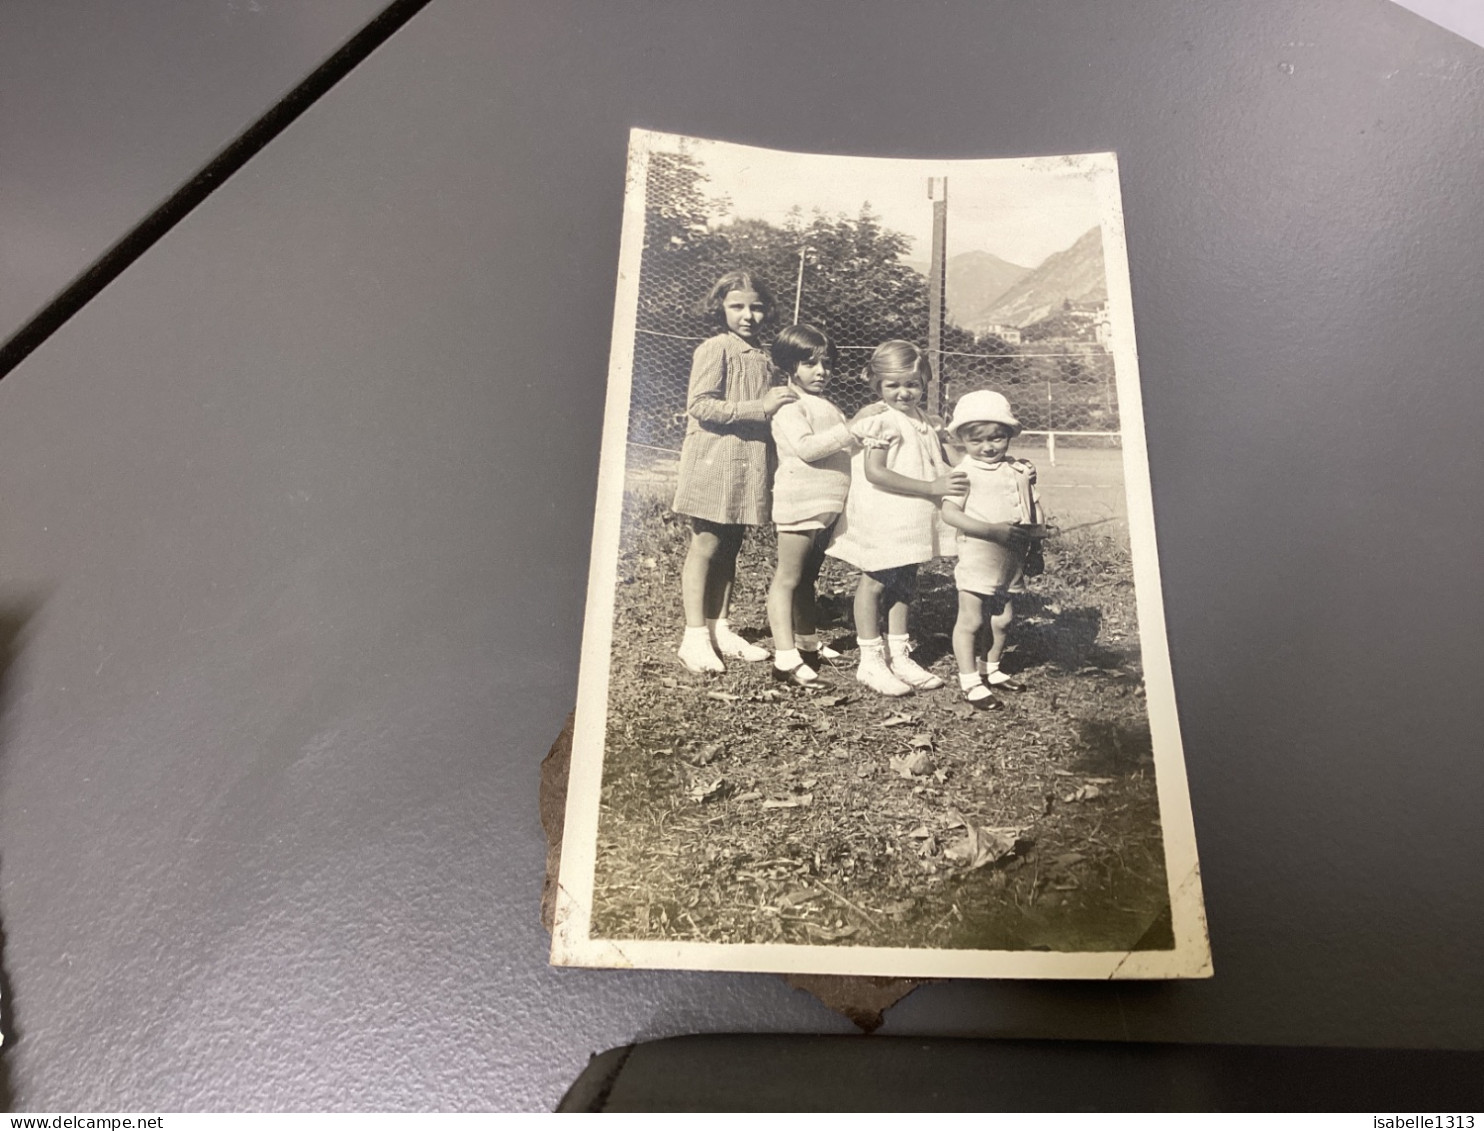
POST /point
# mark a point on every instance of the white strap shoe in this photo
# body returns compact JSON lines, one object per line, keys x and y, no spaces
{"x":909,"y":671}
{"x":732,"y":646}
{"x":874,"y":673}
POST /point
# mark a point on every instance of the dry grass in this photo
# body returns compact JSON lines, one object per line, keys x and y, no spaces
{"x":737,"y":811}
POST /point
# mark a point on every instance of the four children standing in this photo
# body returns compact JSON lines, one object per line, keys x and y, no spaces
{"x":875,"y":491}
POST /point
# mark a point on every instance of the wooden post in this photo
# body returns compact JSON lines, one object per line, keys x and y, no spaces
{"x":799,"y":287}
{"x":937,"y":277}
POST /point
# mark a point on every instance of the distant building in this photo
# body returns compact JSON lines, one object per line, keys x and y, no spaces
{"x":1104,"y":326}
{"x":1010,"y":335}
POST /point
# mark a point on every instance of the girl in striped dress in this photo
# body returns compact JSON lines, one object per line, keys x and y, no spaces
{"x":726,"y":465}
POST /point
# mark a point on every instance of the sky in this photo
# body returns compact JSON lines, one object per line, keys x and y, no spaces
{"x":1021,"y":210}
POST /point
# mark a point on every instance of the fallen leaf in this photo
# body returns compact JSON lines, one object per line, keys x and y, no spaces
{"x":921,"y":832}
{"x":898,"y":906}
{"x":940,"y":775}
{"x":796,"y":898}
{"x":911,"y":765}
{"x":1067,"y":859}
{"x":898,"y":720}
{"x":981,"y":846}
{"x":703,"y":755}
{"x":798,"y":801}
{"x":1084,"y":793}
{"x":709,"y":791}
{"x":829,"y":934}
{"x":672,"y":683}
{"x":921,"y":742}
{"x":750,"y":795}
{"x":962,"y":709}
{"x":723,"y":696}
{"x":832,"y":700}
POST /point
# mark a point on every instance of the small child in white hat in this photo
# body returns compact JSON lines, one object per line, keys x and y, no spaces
{"x":995,"y":522}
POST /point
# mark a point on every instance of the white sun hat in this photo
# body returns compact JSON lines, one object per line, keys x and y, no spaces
{"x":983,"y":406}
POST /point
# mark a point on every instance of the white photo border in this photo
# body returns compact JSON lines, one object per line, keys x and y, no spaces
{"x":572,"y":941}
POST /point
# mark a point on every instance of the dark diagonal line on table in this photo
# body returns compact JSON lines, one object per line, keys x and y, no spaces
{"x":175,"y":208}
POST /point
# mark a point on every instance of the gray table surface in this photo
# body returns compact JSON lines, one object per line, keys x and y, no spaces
{"x":294,"y":522}
{"x":106,"y":108}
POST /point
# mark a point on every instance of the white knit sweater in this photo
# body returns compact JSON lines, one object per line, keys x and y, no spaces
{"x":813,"y":474}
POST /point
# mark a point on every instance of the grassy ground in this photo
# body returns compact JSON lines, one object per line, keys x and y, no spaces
{"x":734,"y":810}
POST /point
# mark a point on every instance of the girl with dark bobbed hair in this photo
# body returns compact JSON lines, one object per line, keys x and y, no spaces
{"x":809,"y":489}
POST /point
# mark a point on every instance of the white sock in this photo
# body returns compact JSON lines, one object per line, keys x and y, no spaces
{"x":990,"y":668}
{"x":786,"y":659}
{"x":969,"y":682}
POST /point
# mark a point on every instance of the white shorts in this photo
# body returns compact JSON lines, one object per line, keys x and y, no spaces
{"x":818,"y":522}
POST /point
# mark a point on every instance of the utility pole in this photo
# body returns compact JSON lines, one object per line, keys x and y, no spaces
{"x":799,"y":286}
{"x":937,"y":278}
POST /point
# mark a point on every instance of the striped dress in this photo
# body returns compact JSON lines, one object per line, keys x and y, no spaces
{"x":727,"y":458}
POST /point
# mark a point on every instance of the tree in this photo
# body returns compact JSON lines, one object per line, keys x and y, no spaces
{"x":680,"y":245}
{"x":855,"y":286}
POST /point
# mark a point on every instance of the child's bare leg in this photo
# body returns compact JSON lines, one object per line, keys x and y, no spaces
{"x":999,"y":628}
{"x":901,"y":600}
{"x":968,"y":636}
{"x":719,"y":598}
{"x":784,"y":596}
{"x":898,"y":640}
{"x":868,"y":608}
{"x":966,"y":632}
{"x":696,"y":650}
{"x":723,"y":572}
{"x":806,"y":608}
{"x":896,"y":617}
{"x":695,"y":574}
{"x":874,"y":671}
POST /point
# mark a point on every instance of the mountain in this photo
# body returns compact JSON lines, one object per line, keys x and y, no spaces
{"x":975,"y":279}
{"x":1075,"y":275}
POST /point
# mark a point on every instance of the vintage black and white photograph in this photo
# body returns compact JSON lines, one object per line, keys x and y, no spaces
{"x":874,"y":674}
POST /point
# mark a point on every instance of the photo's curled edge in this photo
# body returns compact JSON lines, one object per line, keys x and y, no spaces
{"x":573,"y":943}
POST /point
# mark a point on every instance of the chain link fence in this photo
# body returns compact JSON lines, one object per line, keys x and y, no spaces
{"x":849,"y":276}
